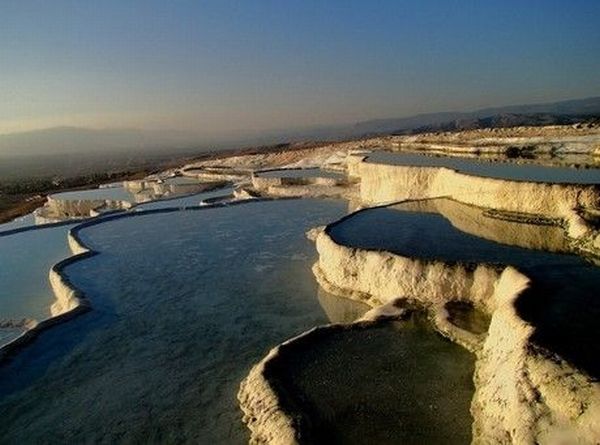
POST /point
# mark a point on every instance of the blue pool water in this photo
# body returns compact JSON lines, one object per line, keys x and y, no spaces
{"x":184,"y":304}
{"x":502,"y":170}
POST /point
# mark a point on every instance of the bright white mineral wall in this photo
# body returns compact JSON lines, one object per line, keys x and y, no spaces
{"x":382,"y":183}
{"x":523,"y":395}
{"x":57,"y":209}
{"x":260,"y":182}
{"x":378,"y":277}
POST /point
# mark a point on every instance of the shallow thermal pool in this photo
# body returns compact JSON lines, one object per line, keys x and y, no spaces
{"x":503,"y":170}
{"x":301,"y":173}
{"x":563,"y":284}
{"x":186,"y":201}
{"x":145,"y":191}
{"x":17,"y":223}
{"x":185,"y":303}
{"x":390,"y":383}
{"x":25,"y":260}
{"x":114,"y":193}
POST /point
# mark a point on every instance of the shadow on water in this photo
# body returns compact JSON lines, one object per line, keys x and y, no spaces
{"x":564,"y":306}
{"x":465,"y":316}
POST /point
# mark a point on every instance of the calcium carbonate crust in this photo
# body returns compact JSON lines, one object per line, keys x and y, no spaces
{"x":524,"y":394}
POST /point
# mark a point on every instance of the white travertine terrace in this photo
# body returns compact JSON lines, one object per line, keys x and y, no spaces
{"x":381,"y":183}
{"x":205,"y":174}
{"x":311,"y":185}
{"x":94,"y":202}
{"x":522,"y":395}
{"x":69,"y":301}
{"x":57,"y":209}
{"x":559,"y":139}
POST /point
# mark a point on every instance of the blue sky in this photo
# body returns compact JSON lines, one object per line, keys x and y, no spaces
{"x":217,"y":67}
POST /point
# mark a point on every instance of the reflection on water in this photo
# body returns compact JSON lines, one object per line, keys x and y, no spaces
{"x":430,"y":231}
{"x":184,"y":304}
{"x":563,"y":284}
{"x":394,"y":382}
{"x":503,"y":170}
{"x":341,"y":310}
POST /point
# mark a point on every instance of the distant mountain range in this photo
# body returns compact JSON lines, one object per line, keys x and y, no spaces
{"x":563,"y":112}
{"x":73,"y":140}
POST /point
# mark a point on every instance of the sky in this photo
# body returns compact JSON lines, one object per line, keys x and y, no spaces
{"x":223,"y":67}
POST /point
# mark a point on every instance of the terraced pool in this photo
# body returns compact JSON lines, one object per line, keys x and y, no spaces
{"x":116,"y":193}
{"x":562,"y":283}
{"x":25,"y":259}
{"x":394,"y":382}
{"x":179,"y":318}
{"x":502,"y":170}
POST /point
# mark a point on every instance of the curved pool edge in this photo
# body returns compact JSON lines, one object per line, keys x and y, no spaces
{"x":523,"y":394}
{"x":535,"y":405}
{"x":70,"y":302}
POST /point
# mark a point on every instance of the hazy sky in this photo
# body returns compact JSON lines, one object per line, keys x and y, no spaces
{"x":219,"y":66}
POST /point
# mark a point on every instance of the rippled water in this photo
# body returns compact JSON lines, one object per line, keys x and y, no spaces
{"x":184,"y":303}
{"x":385,"y":384}
{"x":503,"y":170}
